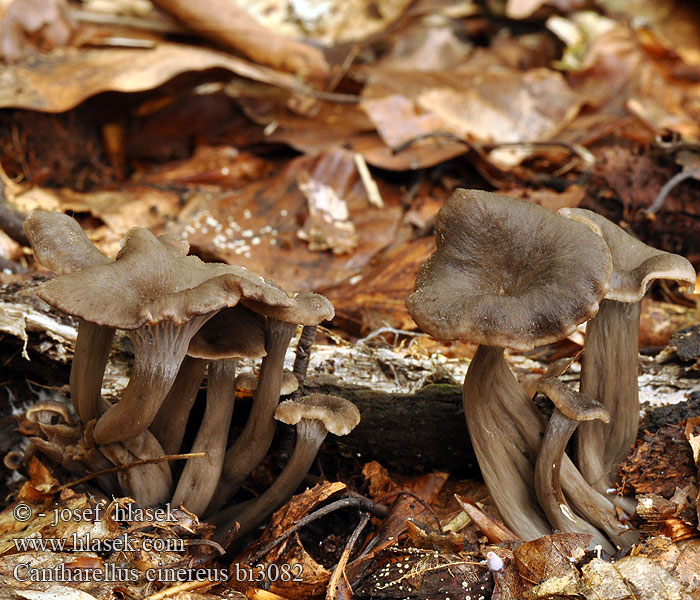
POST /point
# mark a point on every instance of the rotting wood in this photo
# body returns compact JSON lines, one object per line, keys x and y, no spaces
{"x":410,"y":402}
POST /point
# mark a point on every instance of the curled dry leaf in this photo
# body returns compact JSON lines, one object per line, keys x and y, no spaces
{"x":233,"y":27}
{"x":500,"y":105}
{"x":550,"y":556}
{"x":57,"y":82}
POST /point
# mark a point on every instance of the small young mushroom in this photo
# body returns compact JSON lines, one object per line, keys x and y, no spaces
{"x":232,"y":334}
{"x":161,"y":299}
{"x":507,"y":273}
{"x":570,"y":408}
{"x":314,"y":416}
{"x":610,"y":361}
{"x":249,"y":382}
{"x":252,"y":444}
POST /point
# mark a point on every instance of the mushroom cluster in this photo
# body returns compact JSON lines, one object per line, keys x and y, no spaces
{"x":510,"y":274}
{"x":185,"y":318}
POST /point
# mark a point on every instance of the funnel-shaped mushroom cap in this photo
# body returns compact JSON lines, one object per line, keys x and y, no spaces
{"x":339,"y":416}
{"x":635,"y":265}
{"x":508,"y":273}
{"x":307,"y":308}
{"x":235,"y":332}
{"x":574,"y":405}
{"x":149,"y":283}
{"x":60,"y":244}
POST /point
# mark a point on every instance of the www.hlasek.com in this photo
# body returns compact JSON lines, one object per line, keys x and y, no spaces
{"x":81,"y":570}
{"x":95,"y":570}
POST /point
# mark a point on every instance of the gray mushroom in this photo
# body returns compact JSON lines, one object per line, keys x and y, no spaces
{"x":60,"y":245}
{"x":314,"y":416}
{"x":610,"y":361}
{"x":570,"y":408}
{"x":162,"y":300}
{"x":507,"y":273}
{"x":232,"y":334}
{"x":252,"y":444}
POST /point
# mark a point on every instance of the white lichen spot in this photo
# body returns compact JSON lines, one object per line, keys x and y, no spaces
{"x":255,"y":241}
{"x":248,"y":233}
{"x":284,"y":212}
{"x":247,"y":214}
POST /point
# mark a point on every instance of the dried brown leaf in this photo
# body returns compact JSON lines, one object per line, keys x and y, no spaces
{"x":232,"y":26}
{"x":550,"y":556}
{"x":58,"y":81}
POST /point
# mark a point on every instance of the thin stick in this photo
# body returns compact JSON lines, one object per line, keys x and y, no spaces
{"x":339,"y":570}
{"x":301,"y":360}
{"x":667,"y":187}
{"x":363,"y":503}
{"x":136,"y":463}
{"x":373,"y":195}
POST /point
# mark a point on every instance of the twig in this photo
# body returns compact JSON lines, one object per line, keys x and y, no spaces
{"x":373,"y":195}
{"x":301,"y":360}
{"x":11,"y":220}
{"x":365,"y":504}
{"x":136,"y":463}
{"x":667,"y":187}
{"x":388,"y":329}
{"x":576,"y":149}
{"x":339,"y":570}
{"x":426,"y":136}
{"x":203,"y":542}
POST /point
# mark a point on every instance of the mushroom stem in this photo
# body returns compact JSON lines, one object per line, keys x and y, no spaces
{"x":171,"y":421}
{"x":310,"y":436}
{"x":158,"y":351}
{"x":301,"y":360}
{"x":146,"y":484}
{"x":92,"y":348}
{"x":548,"y":484}
{"x":252,"y":444}
{"x":504,"y":427}
{"x":201,"y":475}
{"x":609,"y":374}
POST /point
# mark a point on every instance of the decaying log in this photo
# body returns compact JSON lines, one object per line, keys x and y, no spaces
{"x":412,"y":418}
